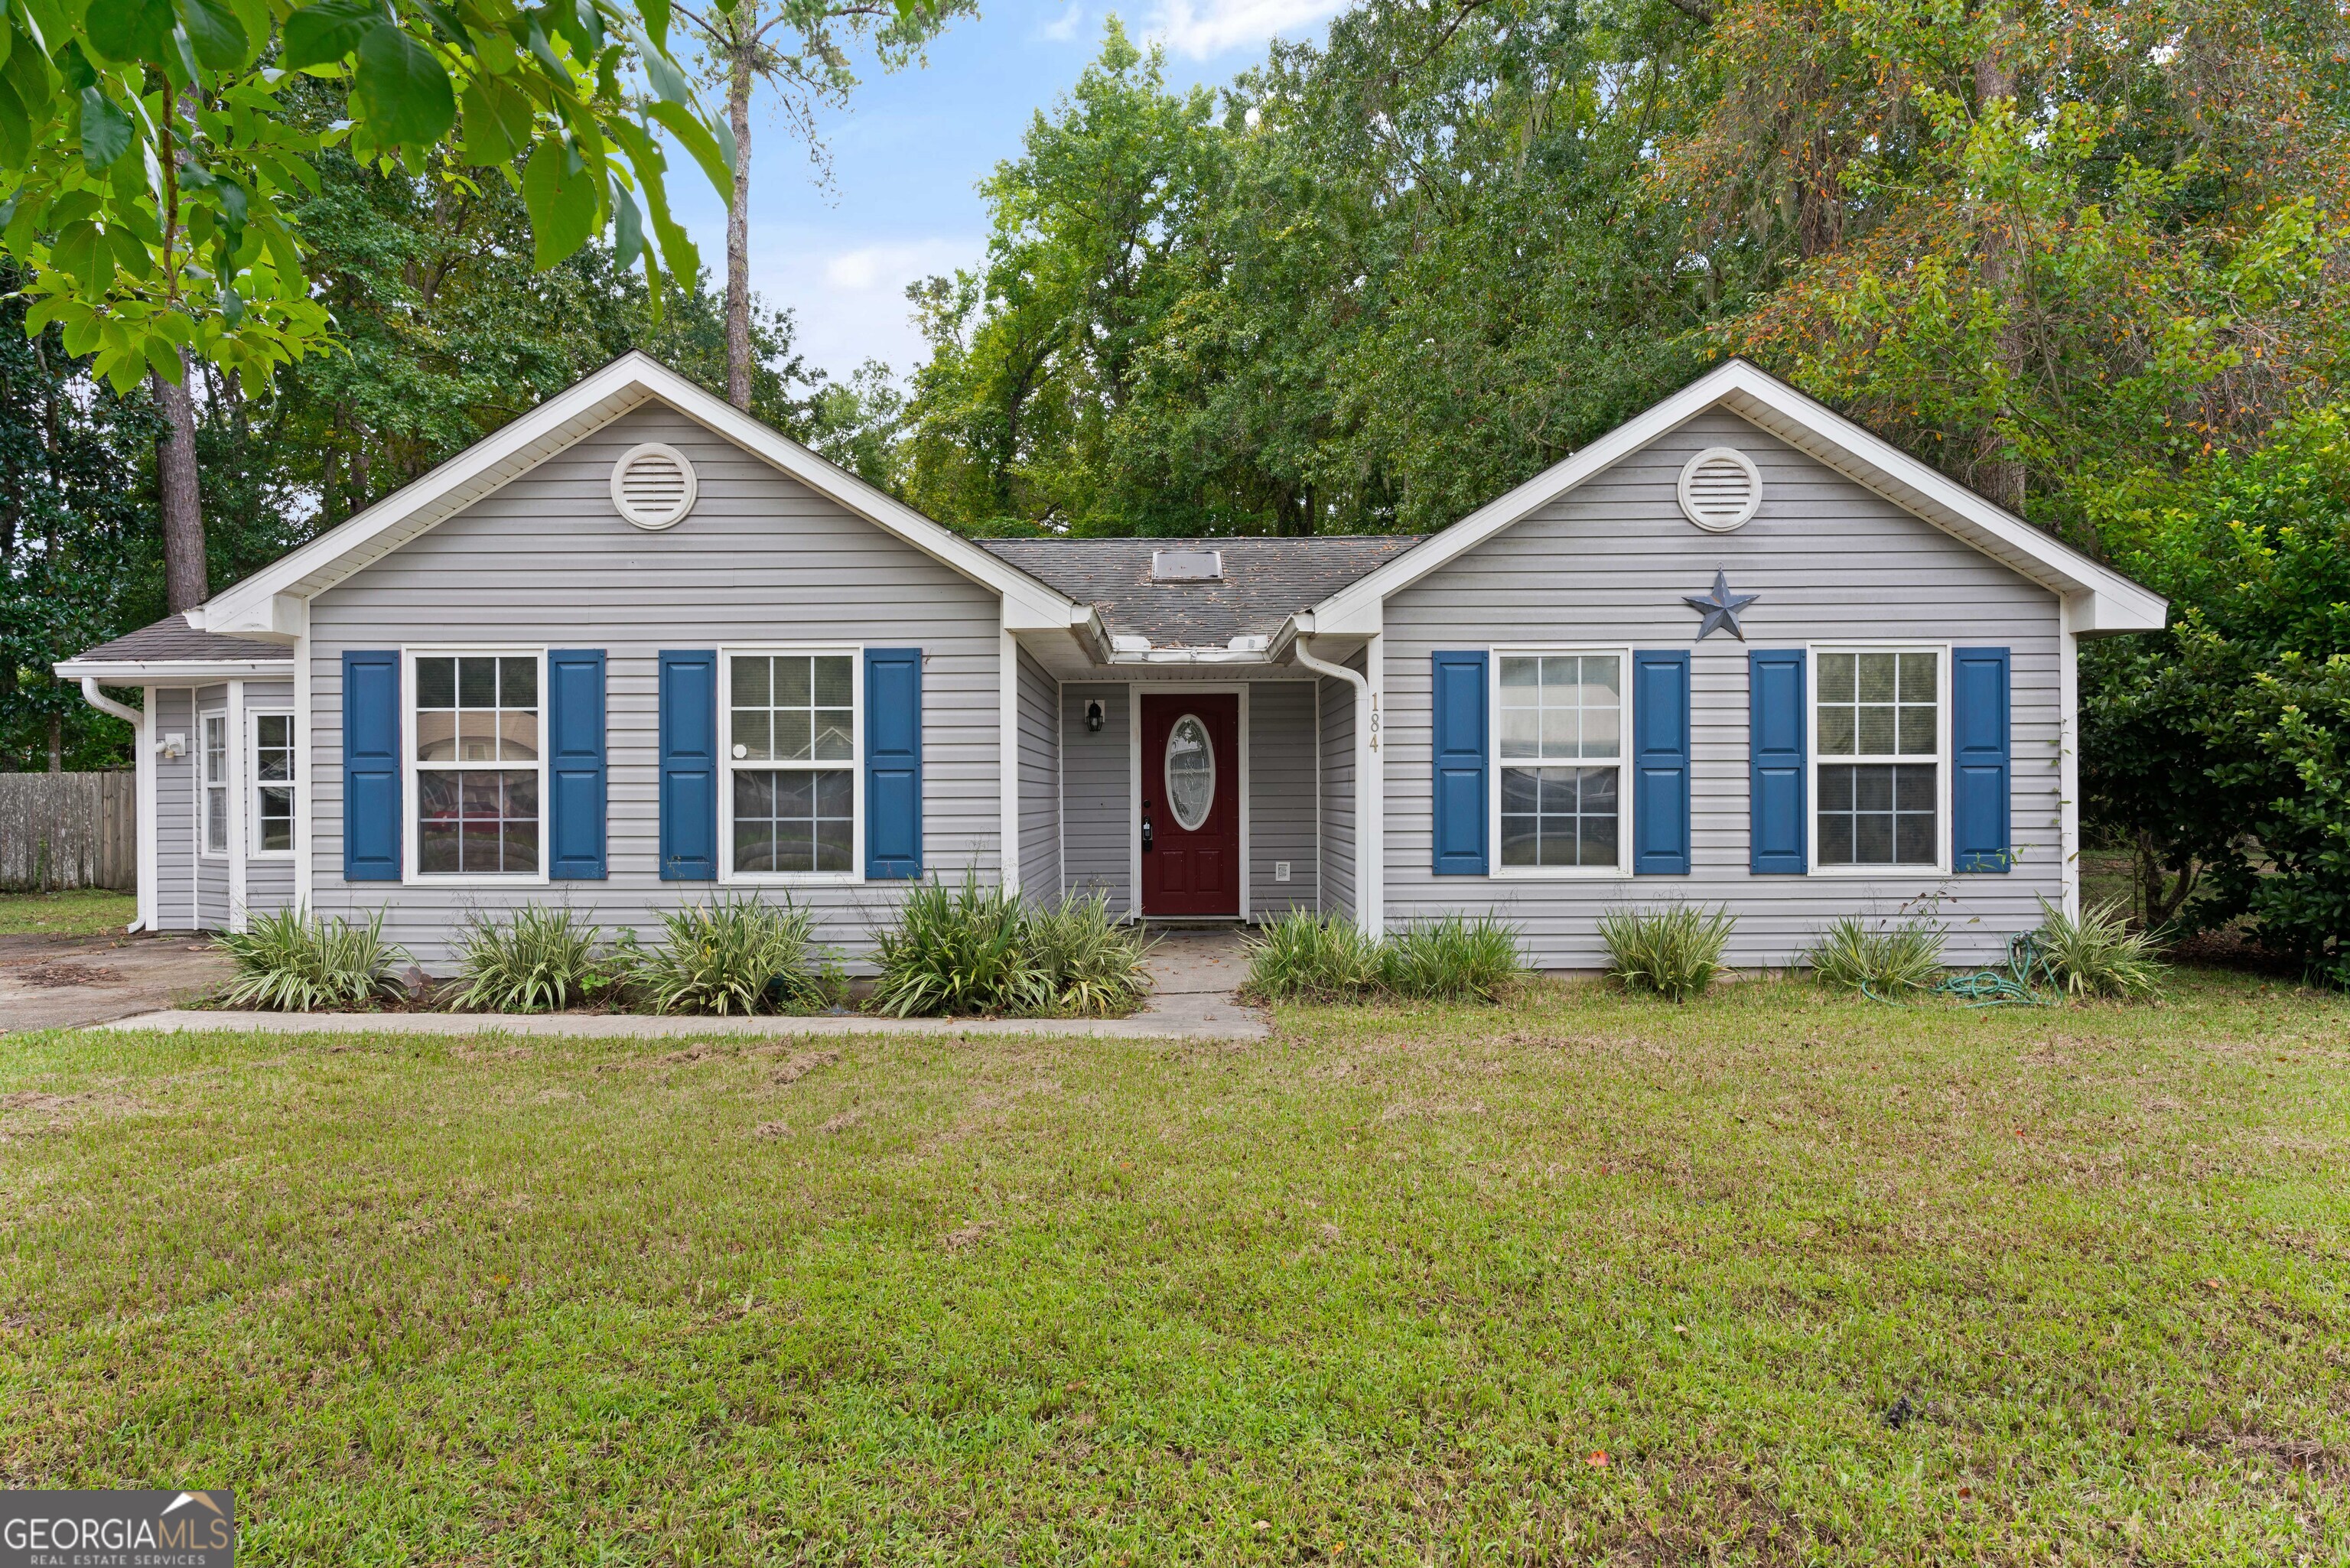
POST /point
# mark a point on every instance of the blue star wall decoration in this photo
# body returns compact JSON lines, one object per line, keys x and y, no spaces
{"x":1719,"y":608}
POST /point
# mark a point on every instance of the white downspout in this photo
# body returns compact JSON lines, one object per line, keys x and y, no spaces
{"x":1367,"y":747}
{"x":144,"y":761}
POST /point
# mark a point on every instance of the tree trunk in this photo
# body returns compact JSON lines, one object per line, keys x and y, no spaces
{"x":56,"y":745}
{"x":738,"y":231}
{"x":187,"y":581}
{"x":2000,"y":478}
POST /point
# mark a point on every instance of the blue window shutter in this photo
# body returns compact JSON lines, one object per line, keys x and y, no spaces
{"x":1661,"y":764}
{"x":689,"y":766}
{"x":893,"y":764}
{"x":574,"y":763}
{"x":1460,"y":738}
{"x":372,"y":791}
{"x":1979,"y":773}
{"x":1777,"y":784}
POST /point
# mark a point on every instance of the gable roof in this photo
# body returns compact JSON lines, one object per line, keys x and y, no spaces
{"x":2103,"y":599}
{"x":268,"y":604}
{"x":188,"y":652}
{"x":1265,"y":581}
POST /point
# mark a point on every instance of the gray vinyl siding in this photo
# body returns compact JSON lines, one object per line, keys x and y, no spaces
{"x":211,"y":912}
{"x":1283,"y":815}
{"x":268,"y":879}
{"x":175,"y":810}
{"x":1098,"y":795}
{"x":547,"y":561}
{"x":1040,"y":783}
{"x":1338,"y":698}
{"x":1607,"y":564}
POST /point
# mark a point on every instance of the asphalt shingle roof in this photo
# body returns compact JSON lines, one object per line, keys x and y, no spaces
{"x":173,"y":639}
{"x":1265,"y":581}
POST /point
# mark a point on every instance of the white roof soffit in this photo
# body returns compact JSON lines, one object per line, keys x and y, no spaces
{"x":2103,"y":599}
{"x":268,"y":603}
{"x":172,"y":672}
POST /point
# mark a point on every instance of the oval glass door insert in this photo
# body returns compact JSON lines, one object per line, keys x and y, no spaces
{"x":1191,"y":773}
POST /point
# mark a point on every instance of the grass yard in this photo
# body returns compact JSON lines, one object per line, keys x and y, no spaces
{"x":1581,"y":1280}
{"x":80,"y":912}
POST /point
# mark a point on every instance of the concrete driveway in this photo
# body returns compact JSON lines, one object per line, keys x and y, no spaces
{"x":67,"y":982}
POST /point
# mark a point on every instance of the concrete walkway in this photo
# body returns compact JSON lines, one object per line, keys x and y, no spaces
{"x":1193,"y":977}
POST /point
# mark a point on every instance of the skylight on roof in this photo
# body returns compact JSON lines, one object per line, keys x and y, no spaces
{"x":1187,"y":566}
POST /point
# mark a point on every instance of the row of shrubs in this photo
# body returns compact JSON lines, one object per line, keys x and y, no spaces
{"x":1675,"y":952}
{"x":951,"y":951}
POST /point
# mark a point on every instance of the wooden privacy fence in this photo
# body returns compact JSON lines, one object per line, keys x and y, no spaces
{"x":69,"y":830}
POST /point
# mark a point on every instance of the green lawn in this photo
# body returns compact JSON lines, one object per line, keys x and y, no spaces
{"x":82,"y":912}
{"x":1582,"y":1279}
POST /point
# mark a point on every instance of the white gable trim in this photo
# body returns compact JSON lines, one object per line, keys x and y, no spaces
{"x":2102,"y":599}
{"x":268,"y":604}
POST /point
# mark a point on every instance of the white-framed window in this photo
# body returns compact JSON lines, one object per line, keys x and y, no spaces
{"x":213,"y":758}
{"x":1880,"y":735}
{"x":1562,"y":722}
{"x":793,"y":744}
{"x":275,"y":790}
{"x":477,"y":769}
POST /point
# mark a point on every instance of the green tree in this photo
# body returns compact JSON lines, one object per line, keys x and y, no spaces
{"x":154,"y":151}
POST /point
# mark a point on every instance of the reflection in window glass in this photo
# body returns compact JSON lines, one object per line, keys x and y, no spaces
{"x":798,"y":710}
{"x":273,"y":781}
{"x":477,"y":715}
{"x":1561,"y":707}
{"x":1876,"y":709}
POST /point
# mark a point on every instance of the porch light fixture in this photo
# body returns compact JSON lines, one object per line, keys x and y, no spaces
{"x":1095,"y":715}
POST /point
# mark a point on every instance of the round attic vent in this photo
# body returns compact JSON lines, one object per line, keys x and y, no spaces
{"x":653,"y":486}
{"x":1720,"y":489}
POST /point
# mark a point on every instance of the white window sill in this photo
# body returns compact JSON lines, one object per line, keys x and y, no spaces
{"x":791,"y":880}
{"x":1918,"y":869}
{"x":421,"y":880}
{"x":1561,"y":874}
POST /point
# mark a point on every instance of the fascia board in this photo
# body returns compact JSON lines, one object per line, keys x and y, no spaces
{"x":171,"y":672}
{"x":561,"y":421}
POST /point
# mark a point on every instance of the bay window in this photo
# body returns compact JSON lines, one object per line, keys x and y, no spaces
{"x":476,"y":729}
{"x":791,"y":762}
{"x":1878,"y":726}
{"x":1561,"y":726}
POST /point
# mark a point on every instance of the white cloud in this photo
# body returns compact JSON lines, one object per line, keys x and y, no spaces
{"x":1201,"y":28}
{"x":1063,"y":27}
{"x":849,"y":300}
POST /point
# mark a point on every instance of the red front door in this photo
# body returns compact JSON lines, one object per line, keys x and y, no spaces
{"x":1190,"y":804}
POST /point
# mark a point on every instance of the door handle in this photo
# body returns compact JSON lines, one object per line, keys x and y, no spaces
{"x":1146,"y":825}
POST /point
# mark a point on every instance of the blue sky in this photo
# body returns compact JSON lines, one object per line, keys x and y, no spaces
{"x":910,"y":151}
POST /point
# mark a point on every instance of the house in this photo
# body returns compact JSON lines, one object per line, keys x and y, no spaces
{"x":636,"y":649}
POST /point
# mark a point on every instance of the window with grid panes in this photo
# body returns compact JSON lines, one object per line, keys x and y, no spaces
{"x":477,"y":765}
{"x":273,"y":783}
{"x":791,"y":757}
{"x":1561,"y":743}
{"x":1879,"y":723}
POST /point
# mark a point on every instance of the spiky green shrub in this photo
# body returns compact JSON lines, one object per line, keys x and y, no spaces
{"x":290,"y":962}
{"x":737,"y":955}
{"x":2095,"y":952}
{"x":1905,"y":955}
{"x":1303,"y":957}
{"x":1673,"y":953}
{"x":1452,"y":959}
{"x":1091,"y":960}
{"x":544,"y":959}
{"x":957,"y":950}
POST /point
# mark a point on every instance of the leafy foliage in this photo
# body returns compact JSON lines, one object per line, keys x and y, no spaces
{"x":544,"y":958}
{"x":1673,"y":953}
{"x":2096,"y":953}
{"x":288,"y":961}
{"x":1892,"y":958}
{"x":1091,"y":960}
{"x":1304,"y":956}
{"x":1452,"y":958}
{"x":960,"y":950}
{"x":156,"y":152}
{"x":737,"y":955}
